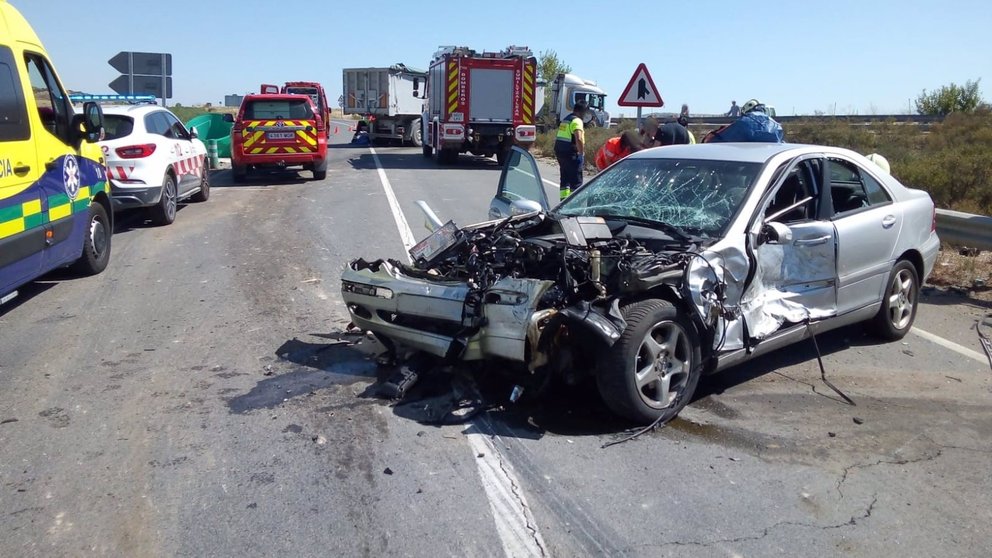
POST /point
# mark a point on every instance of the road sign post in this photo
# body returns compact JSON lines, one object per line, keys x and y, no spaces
{"x":641,"y":92}
{"x":143,"y":73}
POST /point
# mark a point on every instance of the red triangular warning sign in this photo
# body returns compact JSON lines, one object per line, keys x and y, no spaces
{"x":641,"y":90}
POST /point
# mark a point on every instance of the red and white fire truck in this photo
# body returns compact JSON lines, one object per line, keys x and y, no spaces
{"x":479,"y":103}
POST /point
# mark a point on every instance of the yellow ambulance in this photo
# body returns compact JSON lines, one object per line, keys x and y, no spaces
{"x":55,"y":208}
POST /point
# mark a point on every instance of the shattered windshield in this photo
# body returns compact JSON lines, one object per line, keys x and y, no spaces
{"x":696,"y":196}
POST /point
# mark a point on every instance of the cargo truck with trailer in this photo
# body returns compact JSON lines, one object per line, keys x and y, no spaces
{"x":388,"y":99}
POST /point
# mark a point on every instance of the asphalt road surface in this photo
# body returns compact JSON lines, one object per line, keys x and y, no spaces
{"x":202,"y":398}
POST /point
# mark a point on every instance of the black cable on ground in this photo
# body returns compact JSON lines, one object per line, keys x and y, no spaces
{"x":823,"y":371}
{"x":654,"y":425}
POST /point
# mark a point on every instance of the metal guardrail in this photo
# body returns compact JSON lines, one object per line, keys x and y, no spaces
{"x":717,"y":120}
{"x":964,"y":229}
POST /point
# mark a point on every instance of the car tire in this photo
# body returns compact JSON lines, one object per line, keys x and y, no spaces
{"x":651,"y":372}
{"x":320,"y":171}
{"x":898,"y":311}
{"x":446,"y":156}
{"x":204,"y":193}
{"x":240,"y":173}
{"x":416,"y":134}
{"x":428,"y":151}
{"x":96,"y":247}
{"x":164,"y":212}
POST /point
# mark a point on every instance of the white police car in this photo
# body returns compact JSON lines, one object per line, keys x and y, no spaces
{"x":153,"y":161}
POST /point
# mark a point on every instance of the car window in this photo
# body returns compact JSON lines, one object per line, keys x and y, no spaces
{"x":852,"y":189}
{"x":155,"y":123}
{"x":116,"y":126}
{"x":286,"y":109}
{"x":13,"y":111}
{"x":176,"y":128}
{"x":53,"y":104}
{"x":796,"y":197}
{"x":699,"y":196}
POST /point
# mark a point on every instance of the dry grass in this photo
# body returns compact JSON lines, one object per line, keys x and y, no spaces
{"x":962,"y":272}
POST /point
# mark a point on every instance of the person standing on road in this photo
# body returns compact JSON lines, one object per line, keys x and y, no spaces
{"x":734,"y":111}
{"x":570,"y":144}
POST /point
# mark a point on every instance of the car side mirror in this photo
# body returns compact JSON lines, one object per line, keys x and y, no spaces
{"x":92,"y":122}
{"x":775,"y":233}
{"x":228,"y":118}
{"x":521,"y":207}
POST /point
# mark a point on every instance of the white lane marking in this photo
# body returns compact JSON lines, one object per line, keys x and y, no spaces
{"x":974,"y":355}
{"x":515,"y":524}
{"x":406,"y":235}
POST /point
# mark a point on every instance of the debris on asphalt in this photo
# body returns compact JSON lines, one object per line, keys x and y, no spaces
{"x":313,"y":280}
{"x":984,"y":338}
{"x":832,"y":434}
{"x":907,"y":352}
{"x":387,"y":471}
{"x":516,"y":393}
{"x":858,"y":420}
{"x":268,"y":370}
{"x":398,"y":384}
{"x":8,"y":421}
{"x":952,"y":378}
{"x":421,"y":434}
{"x":319,"y":440}
{"x":481,"y":455}
{"x":823,"y":371}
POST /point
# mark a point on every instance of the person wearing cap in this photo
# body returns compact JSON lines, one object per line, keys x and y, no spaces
{"x":570,"y":143}
{"x":754,"y":125}
{"x":617,"y":148}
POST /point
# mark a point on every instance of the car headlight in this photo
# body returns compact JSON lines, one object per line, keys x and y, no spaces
{"x":367,"y":290}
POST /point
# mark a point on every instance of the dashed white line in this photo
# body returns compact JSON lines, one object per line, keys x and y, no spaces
{"x":515,"y":524}
{"x":961,"y":350}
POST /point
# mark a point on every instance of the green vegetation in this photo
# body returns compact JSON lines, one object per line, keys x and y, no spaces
{"x":950,"y":98}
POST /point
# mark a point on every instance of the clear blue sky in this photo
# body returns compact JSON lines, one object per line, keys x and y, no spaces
{"x":866,"y":56}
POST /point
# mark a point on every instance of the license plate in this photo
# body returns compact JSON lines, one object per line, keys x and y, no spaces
{"x":279,"y":135}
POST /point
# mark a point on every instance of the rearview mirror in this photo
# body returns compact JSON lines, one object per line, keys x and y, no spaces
{"x":521,"y":207}
{"x":775,"y":233}
{"x":228,"y":118}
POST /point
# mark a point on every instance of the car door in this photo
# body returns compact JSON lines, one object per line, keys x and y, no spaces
{"x":800,"y":268}
{"x":22,"y":235}
{"x":867,"y":225}
{"x":519,"y":182}
{"x":61,"y":182}
{"x":182,"y":143}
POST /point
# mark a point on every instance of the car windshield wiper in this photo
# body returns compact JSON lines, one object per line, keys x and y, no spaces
{"x":672,"y":230}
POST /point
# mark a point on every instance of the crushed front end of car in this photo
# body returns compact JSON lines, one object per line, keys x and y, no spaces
{"x":538,"y":290}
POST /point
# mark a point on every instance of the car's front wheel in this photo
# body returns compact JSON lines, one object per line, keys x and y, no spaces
{"x":164,"y":212}
{"x":96,"y":246}
{"x":898,"y":311}
{"x":651,"y":372}
{"x":204,"y":193}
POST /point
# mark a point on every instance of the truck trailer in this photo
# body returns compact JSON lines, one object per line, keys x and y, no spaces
{"x":388,"y":99}
{"x":479,"y":102}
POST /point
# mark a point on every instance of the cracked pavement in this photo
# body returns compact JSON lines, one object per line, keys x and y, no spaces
{"x":202,"y":398}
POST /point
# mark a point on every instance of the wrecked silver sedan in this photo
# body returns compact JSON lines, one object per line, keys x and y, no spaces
{"x":674,"y":262}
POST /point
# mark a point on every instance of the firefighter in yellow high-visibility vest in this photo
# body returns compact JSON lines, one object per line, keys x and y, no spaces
{"x":570,"y":143}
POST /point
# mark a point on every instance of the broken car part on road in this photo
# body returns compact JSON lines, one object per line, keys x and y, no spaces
{"x":673,"y":262}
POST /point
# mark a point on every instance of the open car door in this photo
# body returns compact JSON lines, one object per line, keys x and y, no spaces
{"x":520,"y":187}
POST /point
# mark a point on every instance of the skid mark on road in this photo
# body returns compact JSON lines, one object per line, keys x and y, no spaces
{"x":515,"y":524}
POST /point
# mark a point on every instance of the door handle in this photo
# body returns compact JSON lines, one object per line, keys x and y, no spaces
{"x":888,"y":221}
{"x":812,"y":241}
{"x":22,"y":169}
